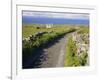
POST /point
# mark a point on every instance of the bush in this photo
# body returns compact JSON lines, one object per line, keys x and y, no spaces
{"x":72,"y":58}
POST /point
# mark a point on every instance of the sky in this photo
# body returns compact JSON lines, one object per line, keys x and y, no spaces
{"x":46,"y":17}
{"x":56,"y":15}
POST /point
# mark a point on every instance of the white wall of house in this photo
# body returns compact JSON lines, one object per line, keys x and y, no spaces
{"x":49,"y":25}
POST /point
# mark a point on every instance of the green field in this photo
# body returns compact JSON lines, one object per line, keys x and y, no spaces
{"x":32,"y":41}
{"x":32,"y":29}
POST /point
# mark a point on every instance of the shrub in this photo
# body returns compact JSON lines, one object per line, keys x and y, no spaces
{"x":72,"y":58}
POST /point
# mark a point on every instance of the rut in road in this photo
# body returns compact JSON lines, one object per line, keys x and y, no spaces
{"x":54,"y":55}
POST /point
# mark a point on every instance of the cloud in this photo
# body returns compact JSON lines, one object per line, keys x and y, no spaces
{"x":55,"y":15}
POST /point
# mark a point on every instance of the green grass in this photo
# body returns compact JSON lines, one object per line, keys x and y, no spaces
{"x":70,"y":59}
{"x":83,"y":29}
{"x":32,"y":29}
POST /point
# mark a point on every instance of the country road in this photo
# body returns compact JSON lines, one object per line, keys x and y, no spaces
{"x":51,"y":56}
{"x":54,"y":55}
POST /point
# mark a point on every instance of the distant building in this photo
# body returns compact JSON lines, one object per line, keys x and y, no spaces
{"x":49,"y":25}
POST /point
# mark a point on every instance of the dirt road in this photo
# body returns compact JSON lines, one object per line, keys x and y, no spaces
{"x":54,"y":55}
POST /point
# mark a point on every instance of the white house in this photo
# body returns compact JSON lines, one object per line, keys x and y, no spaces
{"x":49,"y":25}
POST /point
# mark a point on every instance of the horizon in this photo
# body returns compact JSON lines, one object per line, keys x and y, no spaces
{"x":54,"y":18}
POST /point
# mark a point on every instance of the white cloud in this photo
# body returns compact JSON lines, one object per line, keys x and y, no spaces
{"x":56,"y":15}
